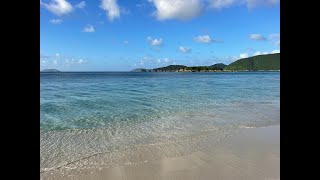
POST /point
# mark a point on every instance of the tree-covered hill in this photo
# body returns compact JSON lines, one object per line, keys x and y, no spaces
{"x":256,"y":63}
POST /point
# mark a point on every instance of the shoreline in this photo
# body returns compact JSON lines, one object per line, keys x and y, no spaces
{"x":247,"y":153}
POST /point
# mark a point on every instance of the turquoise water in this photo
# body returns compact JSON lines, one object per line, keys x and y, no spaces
{"x":92,"y":120}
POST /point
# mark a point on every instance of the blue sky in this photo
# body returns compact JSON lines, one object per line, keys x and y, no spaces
{"x":120,"y":35}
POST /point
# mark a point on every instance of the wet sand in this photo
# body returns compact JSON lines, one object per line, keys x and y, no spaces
{"x":249,"y":153}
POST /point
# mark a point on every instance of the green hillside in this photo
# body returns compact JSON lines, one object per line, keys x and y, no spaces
{"x":256,"y":63}
{"x":268,"y":62}
{"x":219,"y":66}
{"x":170,"y":68}
{"x":174,"y":68}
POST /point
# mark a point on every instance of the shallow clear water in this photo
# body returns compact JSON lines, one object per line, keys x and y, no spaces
{"x":93,"y":120}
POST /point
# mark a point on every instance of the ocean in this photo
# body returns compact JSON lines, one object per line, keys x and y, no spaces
{"x":103,"y":119}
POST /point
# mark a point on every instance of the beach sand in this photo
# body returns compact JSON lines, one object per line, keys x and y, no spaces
{"x":249,"y":153}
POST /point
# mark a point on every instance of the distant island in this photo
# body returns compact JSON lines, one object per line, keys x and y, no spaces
{"x":268,"y":62}
{"x":182,"y":68}
{"x":50,"y":70}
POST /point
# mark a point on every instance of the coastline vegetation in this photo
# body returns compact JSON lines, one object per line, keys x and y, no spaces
{"x":268,"y":62}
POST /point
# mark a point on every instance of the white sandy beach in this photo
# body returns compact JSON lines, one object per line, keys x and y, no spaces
{"x":251,"y":153}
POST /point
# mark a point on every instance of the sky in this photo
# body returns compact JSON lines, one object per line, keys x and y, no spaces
{"x":121,"y":35}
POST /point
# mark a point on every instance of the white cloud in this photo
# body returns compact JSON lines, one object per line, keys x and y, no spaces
{"x":112,"y":8}
{"x":188,"y":9}
{"x":166,"y":60}
{"x":203,"y":39}
{"x":257,"y":3}
{"x":125,"y":42}
{"x":244,"y":55}
{"x":262,"y":53}
{"x":219,"y":4}
{"x":274,"y":36}
{"x":55,"y":21}
{"x":145,"y":60}
{"x":81,"y":5}
{"x":151,"y":62}
{"x":257,"y":37}
{"x":177,"y":9}
{"x":184,"y":49}
{"x":275,"y":51}
{"x":88,"y":28}
{"x":155,"y":41}
{"x":72,"y":61}
{"x":259,"y":53}
{"x":58,"y":60}
{"x":275,"y":39}
{"x":58,"y":7}
{"x":80,"y":61}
